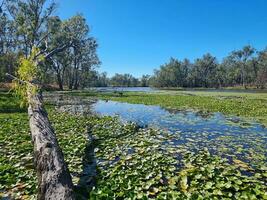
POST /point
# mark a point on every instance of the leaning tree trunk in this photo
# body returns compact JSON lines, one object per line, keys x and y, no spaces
{"x":54,"y":180}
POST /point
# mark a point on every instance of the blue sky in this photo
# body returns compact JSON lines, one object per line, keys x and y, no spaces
{"x":137,"y":36}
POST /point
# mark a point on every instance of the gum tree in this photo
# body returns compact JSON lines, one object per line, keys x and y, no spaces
{"x":31,"y":16}
{"x":242,"y":59}
{"x":54,"y":180}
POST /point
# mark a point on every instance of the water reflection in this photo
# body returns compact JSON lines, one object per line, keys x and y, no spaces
{"x":124,"y":89}
{"x":71,"y":104}
{"x":174,"y":121}
{"x":229,"y":137}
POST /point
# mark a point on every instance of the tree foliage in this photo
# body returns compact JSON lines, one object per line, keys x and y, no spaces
{"x":70,"y":53}
{"x":28,"y":72}
{"x":245,"y":67}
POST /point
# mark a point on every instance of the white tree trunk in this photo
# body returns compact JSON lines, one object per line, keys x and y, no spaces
{"x":54,"y":180}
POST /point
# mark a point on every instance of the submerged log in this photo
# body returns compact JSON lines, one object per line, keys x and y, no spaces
{"x":54,"y":180}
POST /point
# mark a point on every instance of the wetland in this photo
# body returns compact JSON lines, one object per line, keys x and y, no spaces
{"x":140,"y":151}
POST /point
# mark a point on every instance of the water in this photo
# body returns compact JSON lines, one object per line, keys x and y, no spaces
{"x":124,"y":89}
{"x":226,"y":136}
{"x":226,"y":90}
{"x":149,"y":89}
{"x":171,"y":120}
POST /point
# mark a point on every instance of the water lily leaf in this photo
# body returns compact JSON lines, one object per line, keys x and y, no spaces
{"x":208,"y":185}
{"x":183,"y":183}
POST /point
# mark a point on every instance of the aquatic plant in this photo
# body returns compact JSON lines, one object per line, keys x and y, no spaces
{"x":134,"y":163}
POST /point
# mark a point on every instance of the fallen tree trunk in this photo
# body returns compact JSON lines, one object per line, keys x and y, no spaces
{"x":54,"y":180}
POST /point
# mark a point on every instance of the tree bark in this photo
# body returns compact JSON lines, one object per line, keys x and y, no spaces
{"x":59,"y":81}
{"x":56,"y":67}
{"x":54,"y":180}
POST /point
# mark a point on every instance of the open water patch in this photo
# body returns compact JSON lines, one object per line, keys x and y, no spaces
{"x":240,"y":141}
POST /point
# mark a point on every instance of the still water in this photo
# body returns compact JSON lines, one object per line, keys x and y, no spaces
{"x":226,"y":136}
{"x":150,"y":89}
{"x":124,"y":89}
{"x":172,"y":120}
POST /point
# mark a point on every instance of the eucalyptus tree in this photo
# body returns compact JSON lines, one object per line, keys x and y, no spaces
{"x":204,"y":70}
{"x":8,"y":42}
{"x":232,"y":68}
{"x":54,"y":180}
{"x":119,"y":80}
{"x":144,"y":81}
{"x":58,"y":36}
{"x":87,"y":61}
{"x":161,"y":78}
{"x":98,"y":79}
{"x":186,"y":67}
{"x":102,"y":79}
{"x":220,"y":77}
{"x":126,"y":80}
{"x":254,"y":68}
{"x":4,"y":23}
{"x":242,"y":58}
{"x":82,"y":51}
{"x":261,"y":80}
{"x":30,"y":18}
{"x":172,"y":74}
{"x":168,"y":74}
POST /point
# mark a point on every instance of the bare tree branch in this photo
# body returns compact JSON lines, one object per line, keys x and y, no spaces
{"x":42,"y":39}
{"x":57,"y":50}
{"x":10,"y":76}
{"x":53,"y":51}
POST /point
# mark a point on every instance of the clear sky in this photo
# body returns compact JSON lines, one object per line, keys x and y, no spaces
{"x":137,"y":36}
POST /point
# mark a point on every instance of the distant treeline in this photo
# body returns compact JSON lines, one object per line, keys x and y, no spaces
{"x":25,"y":24}
{"x":118,"y":80}
{"x":245,"y":67}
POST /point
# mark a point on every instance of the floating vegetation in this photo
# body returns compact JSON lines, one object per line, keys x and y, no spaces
{"x":148,"y":164}
{"x":189,"y":135}
{"x":17,"y":177}
{"x":224,"y":136}
{"x":253,"y":106}
{"x":142,"y":163}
